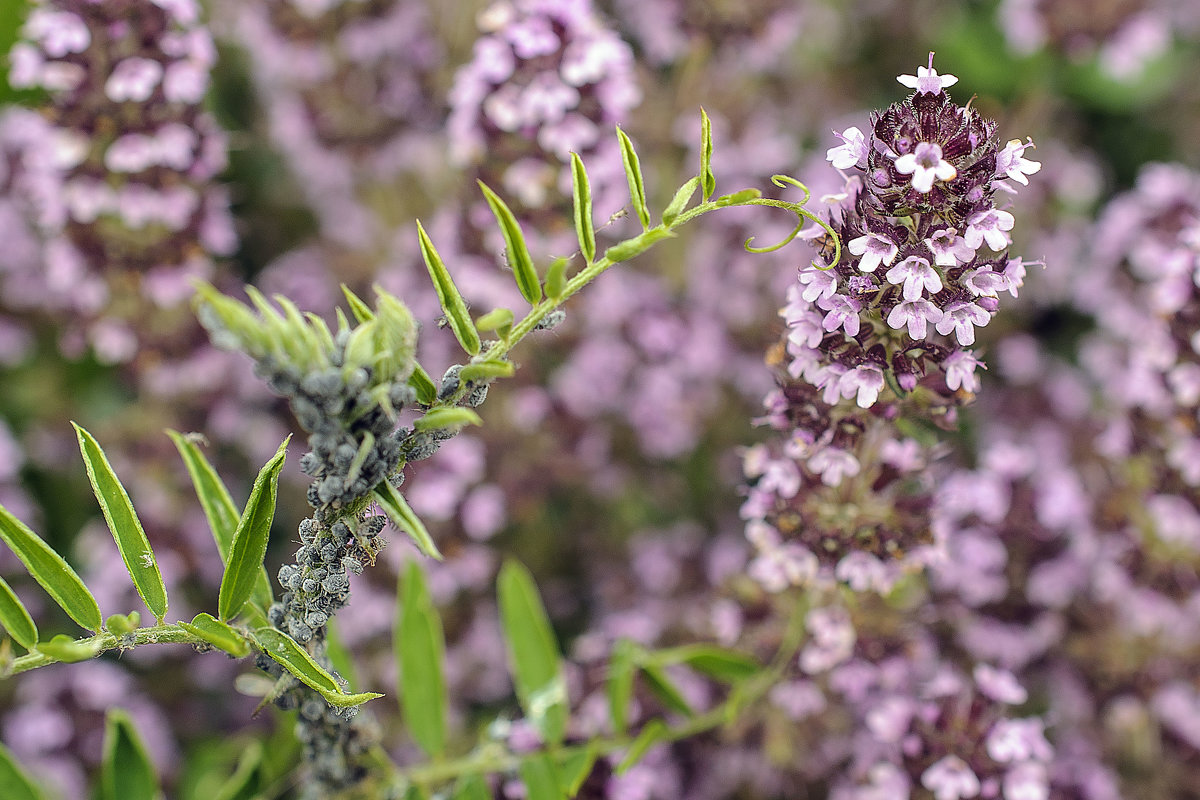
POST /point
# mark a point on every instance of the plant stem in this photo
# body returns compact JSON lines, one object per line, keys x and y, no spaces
{"x":157,"y":634}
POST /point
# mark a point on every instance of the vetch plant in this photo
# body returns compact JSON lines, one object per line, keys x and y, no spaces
{"x":347,"y":388}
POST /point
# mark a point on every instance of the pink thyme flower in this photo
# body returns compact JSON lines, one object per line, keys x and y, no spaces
{"x":1015,"y":740}
{"x":1027,"y":781}
{"x":916,"y":274}
{"x":960,"y":372}
{"x":925,"y":164}
{"x":1012,"y":164}
{"x":989,"y":225}
{"x":843,"y":313}
{"x":874,"y":249}
{"x":866,"y":381}
{"x":133,"y":79}
{"x":949,"y":249}
{"x":853,"y":151}
{"x":962,"y":317}
{"x":951,"y":779}
{"x":927,"y":80}
{"x":999,"y":684}
{"x":818,"y":283}
{"x":833,"y":465}
{"x":915,"y":314}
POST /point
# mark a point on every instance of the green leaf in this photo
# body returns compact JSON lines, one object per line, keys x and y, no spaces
{"x":574,"y":767}
{"x":450,"y":417}
{"x":716,"y":662}
{"x":218,"y":634}
{"x":619,"y":685}
{"x":423,"y":385}
{"x":296,"y":660}
{"x":637,"y":245}
{"x":219,"y":510}
{"x":486,"y":371}
{"x":471,"y":787}
{"x":518,"y":251}
{"x":415,"y":792}
{"x":50,"y":570}
{"x":358,"y":307}
{"x":556,"y":278}
{"x":665,"y":690}
{"x":124,"y":524}
{"x":398,"y":511}
{"x":583,"y":209}
{"x":452,"y":302}
{"x":121,"y":624}
{"x":420,"y":651}
{"x":14,"y":783}
{"x":540,"y":778}
{"x":15,"y":618}
{"x":653,"y":733}
{"x":249,"y":546}
{"x":126,"y":772}
{"x":499,"y":320}
{"x":737,"y":198}
{"x":533,"y":652}
{"x":679,"y":201}
{"x":633,"y":173}
{"x":68,"y":650}
{"x":249,"y":781}
{"x":707,"y":179}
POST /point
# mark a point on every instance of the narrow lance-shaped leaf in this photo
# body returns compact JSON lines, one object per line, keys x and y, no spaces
{"x":575,"y":767}
{"x":533,"y":652}
{"x":633,"y":173}
{"x":423,"y":385}
{"x":399,"y":512}
{"x":540,"y":778}
{"x":420,"y":649}
{"x":716,"y":662}
{"x":665,"y":690}
{"x":486,"y":370}
{"x":219,"y":510}
{"x":50,"y":570}
{"x":124,"y":524}
{"x":295,"y":659}
{"x":70,"y":651}
{"x":518,"y":252}
{"x":218,"y":634}
{"x":654,"y":732}
{"x":619,"y":686}
{"x":583,"y":209}
{"x":637,"y":245}
{"x":126,"y":772}
{"x":249,"y":779}
{"x":449,"y":417}
{"x":15,"y":619}
{"x":680,"y":201}
{"x":452,"y":302}
{"x":249,"y":546}
{"x":14,"y":783}
{"x":358,"y":307}
{"x":708,"y":181}
{"x":499,"y":320}
{"x":556,"y":278}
